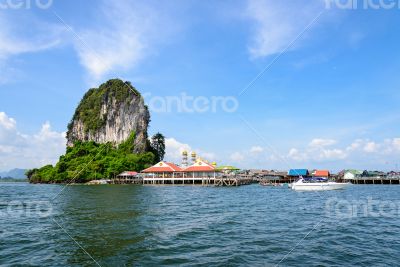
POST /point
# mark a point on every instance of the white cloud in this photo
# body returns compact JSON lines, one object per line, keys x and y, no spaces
{"x":237,"y":157}
{"x":251,"y":157}
{"x":278,"y":23}
{"x":15,"y":41}
{"x":371,"y":147}
{"x":256,"y":150}
{"x":19,"y":150}
{"x":396,"y":143}
{"x":6,"y":122}
{"x":322,"y":153}
{"x":331,"y":154}
{"x":355,"y":145}
{"x":318,"y":151}
{"x":123,"y":33}
{"x":365,"y":145}
{"x":174,"y":149}
{"x":126,"y":33}
{"x":22,"y":33}
{"x":376,"y":152}
{"x":210,"y":156}
{"x":320,"y":142}
{"x":296,"y":155}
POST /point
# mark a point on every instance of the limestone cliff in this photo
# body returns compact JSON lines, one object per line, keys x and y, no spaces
{"x":111,"y":113}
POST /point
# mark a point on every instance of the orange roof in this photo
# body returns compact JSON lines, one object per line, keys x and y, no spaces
{"x":322,"y":173}
{"x":200,"y":166}
{"x":163,"y":167}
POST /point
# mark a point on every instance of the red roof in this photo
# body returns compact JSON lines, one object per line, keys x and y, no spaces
{"x":163,"y":167}
{"x":200,"y":166}
{"x":128,"y":173}
{"x":322,"y":173}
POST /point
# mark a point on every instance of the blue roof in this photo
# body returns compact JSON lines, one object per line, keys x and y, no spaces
{"x":298,"y":172}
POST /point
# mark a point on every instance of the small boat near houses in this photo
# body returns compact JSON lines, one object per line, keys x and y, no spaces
{"x":268,"y":183}
{"x":316,"y":184}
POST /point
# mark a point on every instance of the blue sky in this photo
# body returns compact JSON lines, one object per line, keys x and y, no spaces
{"x":328,"y":98}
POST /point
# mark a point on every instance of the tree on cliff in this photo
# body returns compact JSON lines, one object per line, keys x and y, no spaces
{"x":107,"y":135}
{"x":158,"y":146}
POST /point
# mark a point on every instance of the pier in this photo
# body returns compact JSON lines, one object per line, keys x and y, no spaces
{"x":375,"y":180}
{"x":126,"y":181}
{"x":205,"y":174}
{"x":127,"y":177}
{"x":202,"y":181}
{"x":233,"y":181}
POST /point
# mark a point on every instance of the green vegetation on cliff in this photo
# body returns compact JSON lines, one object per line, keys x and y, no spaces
{"x":89,"y":109}
{"x":86,"y":161}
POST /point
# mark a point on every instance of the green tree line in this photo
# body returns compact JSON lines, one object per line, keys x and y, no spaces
{"x":86,"y":161}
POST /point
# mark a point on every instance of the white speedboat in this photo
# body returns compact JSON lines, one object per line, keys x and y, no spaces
{"x":316,"y":184}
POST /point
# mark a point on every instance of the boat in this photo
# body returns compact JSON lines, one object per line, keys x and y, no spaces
{"x":268,"y":183}
{"x":316,"y":184}
{"x":98,"y":182}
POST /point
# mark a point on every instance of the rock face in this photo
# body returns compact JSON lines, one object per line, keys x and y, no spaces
{"x":111,"y":113}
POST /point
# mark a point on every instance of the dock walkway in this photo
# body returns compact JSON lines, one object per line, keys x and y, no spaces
{"x":203,"y":181}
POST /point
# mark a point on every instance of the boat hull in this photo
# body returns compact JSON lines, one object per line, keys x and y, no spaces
{"x":318,"y":186}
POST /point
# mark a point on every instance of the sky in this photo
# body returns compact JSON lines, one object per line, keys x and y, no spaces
{"x":253,"y":83}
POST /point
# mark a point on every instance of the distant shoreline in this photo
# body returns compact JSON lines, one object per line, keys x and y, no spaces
{"x":13,"y":180}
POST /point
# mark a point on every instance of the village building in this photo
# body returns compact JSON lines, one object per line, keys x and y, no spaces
{"x":352,"y":174}
{"x":321,"y":173}
{"x":298,"y":173}
{"x":163,"y":170}
{"x":200,"y":172}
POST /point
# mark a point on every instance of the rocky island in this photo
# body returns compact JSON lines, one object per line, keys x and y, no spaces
{"x":107,"y":135}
